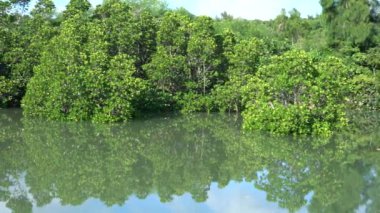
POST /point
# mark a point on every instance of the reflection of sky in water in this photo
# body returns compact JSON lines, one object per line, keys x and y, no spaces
{"x":236,"y":197}
{"x":3,"y":208}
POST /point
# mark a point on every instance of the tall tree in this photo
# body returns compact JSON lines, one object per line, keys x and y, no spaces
{"x":76,"y":7}
{"x":78,"y":78}
{"x":25,"y":37}
{"x":168,"y":69}
{"x":349,"y":22}
{"x":201,"y":50}
{"x":130,"y":33}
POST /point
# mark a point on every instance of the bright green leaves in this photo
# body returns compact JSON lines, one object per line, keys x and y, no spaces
{"x":128,"y":33}
{"x":201,"y":52}
{"x":173,"y":33}
{"x":76,"y":7}
{"x":291,"y":28}
{"x":128,"y":57}
{"x":116,"y":18}
{"x":167,"y":72}
{"x":246,"y":57}
{"x":58,"y":79}
{"x":299,"y":96}
{"x":168,"y":69}
{"x":78,"y":80}
{"x":7,"y":88}
{"x":44,"y":9}
{"x":22,"y":38}
{"x":228,"y":97}
{"x":118,"y":92}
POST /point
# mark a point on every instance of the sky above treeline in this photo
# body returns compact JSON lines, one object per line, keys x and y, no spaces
{"x":248,"y":9}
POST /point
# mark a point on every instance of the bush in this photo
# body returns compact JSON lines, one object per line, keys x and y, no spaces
{"x":193,"y":102}
{"x":78,"y":80}
{"x":296,"y":94}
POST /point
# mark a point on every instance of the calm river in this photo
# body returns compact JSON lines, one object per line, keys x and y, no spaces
{"x":176,"y":163}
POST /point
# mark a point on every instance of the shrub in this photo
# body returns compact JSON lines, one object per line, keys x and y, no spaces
{"x":296,"y":94}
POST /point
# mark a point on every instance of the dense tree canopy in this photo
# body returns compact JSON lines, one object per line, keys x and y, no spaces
{"x":126,"y":57}
{"x":299,"y":93}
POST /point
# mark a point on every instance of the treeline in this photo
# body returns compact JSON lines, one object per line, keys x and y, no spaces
{"x":290,"y":75}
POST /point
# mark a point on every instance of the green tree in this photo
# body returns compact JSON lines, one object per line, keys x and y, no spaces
{"x":25,"y":37}
{"x":348,"y":23}
{"x":201,"y":53}
{"x":156,"y":7}
{"x":168,"y":69}
{"x":296,"y":94}
{"x":244,"y":60}
{"x":85,"y":82}
{"x":76,"y":7}
{"x":130,"y":33}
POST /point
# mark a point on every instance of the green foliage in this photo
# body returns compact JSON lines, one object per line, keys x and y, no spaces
{"x":292,"y":28}
{"x":228,"y":97}
{"x":246,"y":57}
{"x":364,"y":84}
{"x":81,"y":81}
{"x":202,"y":53}
{"x":76,"y":7}
{"x":348,"y":23}
{"x":168,"y":69}
{"x":156,"y":7}
{"x":22,"y":40}
{"x":129,"y":33}
{"x":372,"y":61}
{"x":128,"y":57}
{"x":295,"y":94}
{"x":7,"y":88}
{"x":193,"y":102}
{"x":247,"y":29}
{"x":168,"y":73}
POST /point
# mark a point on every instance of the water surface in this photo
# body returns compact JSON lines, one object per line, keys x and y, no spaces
{"x":173,"y":163}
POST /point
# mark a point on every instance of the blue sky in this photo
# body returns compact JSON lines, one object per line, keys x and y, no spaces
{"x":248,"y":9}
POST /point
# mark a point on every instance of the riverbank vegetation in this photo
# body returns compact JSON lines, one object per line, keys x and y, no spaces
{"x":289,"y":75}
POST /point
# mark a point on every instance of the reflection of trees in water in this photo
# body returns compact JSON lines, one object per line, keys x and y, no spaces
{"x":174,"y":155}
{"x":12,"y":163}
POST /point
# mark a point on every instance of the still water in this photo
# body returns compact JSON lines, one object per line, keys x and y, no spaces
{"x":174,"y":163}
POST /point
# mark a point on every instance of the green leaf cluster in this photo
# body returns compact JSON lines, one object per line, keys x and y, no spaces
{"x":296,"y":94}
{"x":78,"y":80}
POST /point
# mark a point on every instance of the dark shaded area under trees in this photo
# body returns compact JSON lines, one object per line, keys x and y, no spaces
{"x":290,"y":75}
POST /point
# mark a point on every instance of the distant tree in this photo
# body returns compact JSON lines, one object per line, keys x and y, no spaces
{"x":226,"y":16}
{"x":349,"y":22}
{"x":76,"y":7}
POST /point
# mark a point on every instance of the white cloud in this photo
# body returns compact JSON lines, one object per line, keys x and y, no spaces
{"x":240,"y":197}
